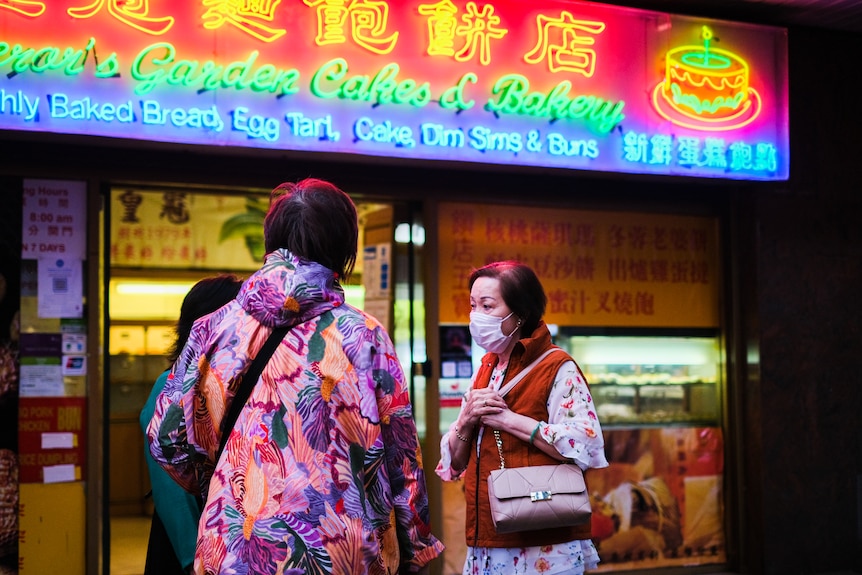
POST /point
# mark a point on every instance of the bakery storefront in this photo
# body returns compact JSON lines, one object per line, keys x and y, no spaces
{"x":598,"y":144}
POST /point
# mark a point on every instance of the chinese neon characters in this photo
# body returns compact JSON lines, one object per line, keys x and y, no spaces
{"x":247,"y":16}
{"x":367,"y":19}
{"x":478,"y":29}
{"x":24,"y":7}
{"x":562,"y":54}
{"x":134,"y":13}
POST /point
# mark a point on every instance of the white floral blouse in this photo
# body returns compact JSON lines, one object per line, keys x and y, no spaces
{"x":574,"y":430}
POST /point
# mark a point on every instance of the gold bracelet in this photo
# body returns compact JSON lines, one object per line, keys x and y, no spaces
{"x":461,"y":437}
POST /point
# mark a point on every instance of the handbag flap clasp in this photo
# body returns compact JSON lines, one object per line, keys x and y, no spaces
{"x":540,"y":496}
{"x":524,"y":481}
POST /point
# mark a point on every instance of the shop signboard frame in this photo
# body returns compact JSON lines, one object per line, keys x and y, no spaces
{"x":556,"y":84}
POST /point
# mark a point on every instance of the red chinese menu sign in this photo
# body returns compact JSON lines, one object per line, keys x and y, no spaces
{"x":601,"y":269}
{"x":52,"y":439}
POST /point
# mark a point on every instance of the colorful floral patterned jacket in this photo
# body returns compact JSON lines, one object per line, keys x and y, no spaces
{"x":322,"y":472}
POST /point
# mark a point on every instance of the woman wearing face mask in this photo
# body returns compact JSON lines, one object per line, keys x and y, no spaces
{"x":546,"y":418}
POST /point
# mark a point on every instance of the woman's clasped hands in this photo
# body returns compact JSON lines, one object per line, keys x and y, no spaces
{"x":484,"y":407}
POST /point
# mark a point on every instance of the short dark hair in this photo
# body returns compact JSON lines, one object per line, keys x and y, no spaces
{"x":314,"y":220}
{"x":521,"y":290}
{"x":205,"y":297}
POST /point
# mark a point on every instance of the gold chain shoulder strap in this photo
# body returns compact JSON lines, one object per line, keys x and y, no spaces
{"x":514,"y":381}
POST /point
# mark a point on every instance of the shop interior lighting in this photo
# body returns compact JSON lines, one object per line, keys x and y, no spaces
{"x":644,"y":350}
{"x":153,"y":288}
{"x":403,"y":231}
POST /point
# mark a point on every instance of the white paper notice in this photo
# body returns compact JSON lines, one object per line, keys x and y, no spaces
{"x":376,"y":276}
{"x":53,"y":440}
{"x":41,"y":379}
{"x":55,"y":219}
{"x":59,"y":473}
{"x":448,"y":369}
{"x":379,"y":309}
{"x":61,"y":289}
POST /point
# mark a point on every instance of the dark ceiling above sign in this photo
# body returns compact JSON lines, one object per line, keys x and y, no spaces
{"x":843,"y":15}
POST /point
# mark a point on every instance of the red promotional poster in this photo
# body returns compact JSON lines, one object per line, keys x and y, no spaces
{"x":52,"y":439}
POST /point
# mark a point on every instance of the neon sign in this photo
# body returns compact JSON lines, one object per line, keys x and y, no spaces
{"x":246,"y":16}
{"x":134,"y":14}
{"x":574,"y":85}
{"x":562,"y":56}
{"x":158,"y":64}
{"x":706,"y":88}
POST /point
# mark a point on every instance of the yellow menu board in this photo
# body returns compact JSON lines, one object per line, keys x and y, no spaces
{"x":187,"y":230}
{"x":599,"y":269}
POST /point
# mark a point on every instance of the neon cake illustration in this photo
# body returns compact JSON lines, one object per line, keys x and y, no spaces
{"x":706,"y":88}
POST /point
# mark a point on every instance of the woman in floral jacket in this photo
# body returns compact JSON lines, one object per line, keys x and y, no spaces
{"x":322,"y":471}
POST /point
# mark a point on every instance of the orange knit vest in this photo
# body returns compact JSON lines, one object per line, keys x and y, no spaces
{"x":529,"y":397}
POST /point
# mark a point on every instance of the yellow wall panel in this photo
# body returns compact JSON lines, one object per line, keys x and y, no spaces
{"x":53,"y":528}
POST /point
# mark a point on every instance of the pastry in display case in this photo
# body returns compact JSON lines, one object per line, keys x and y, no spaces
{"x":638,"y":380}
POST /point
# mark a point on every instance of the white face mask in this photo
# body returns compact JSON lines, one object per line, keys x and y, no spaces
{"x":487,"y":331}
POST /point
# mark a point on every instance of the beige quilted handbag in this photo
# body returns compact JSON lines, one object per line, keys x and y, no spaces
{"x":536,"y":497}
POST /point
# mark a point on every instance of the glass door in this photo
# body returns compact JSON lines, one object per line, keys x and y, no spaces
{"x":162,"y":241}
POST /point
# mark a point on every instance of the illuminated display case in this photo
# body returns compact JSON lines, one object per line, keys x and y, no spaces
{"x":650,"y":380}
{"x":658,"y":397}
